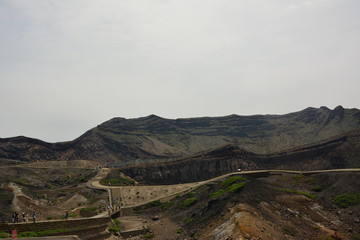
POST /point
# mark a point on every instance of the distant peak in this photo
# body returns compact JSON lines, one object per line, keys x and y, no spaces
{"x":153,"y":116}
{"x":324,"y":108}
{"x":339,"y":108}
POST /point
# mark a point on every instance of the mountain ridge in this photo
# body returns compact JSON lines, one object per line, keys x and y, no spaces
{"x":121,"y":140}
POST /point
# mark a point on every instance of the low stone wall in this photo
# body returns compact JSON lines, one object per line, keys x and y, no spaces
{"x":73,"y":225}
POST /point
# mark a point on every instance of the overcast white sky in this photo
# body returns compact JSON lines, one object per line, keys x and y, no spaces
{"x":67,"y":66}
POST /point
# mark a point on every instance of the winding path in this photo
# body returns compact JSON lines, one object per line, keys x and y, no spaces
{"x":132,"y":196}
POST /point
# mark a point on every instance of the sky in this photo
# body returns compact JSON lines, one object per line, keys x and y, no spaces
{"x":67,"y":66}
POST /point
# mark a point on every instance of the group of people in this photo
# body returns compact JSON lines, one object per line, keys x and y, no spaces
{"x":25,"y":217}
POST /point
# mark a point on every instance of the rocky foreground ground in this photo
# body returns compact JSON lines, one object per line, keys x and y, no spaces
{"x":283,"y":206}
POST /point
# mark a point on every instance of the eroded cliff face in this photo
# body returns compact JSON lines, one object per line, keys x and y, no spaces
{"x":325,"y":155}
{"x":202,"y":167}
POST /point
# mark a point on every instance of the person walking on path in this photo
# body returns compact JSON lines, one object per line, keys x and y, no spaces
{"x":34,"y":217}
{"x":16,"y":217}
{"x":66,"y":215}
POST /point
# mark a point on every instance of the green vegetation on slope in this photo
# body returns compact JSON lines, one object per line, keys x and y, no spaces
{"x":347,"y":199}
{"x":229,"y":185}
{"x":41,"y":233}
{"x":189,"y":201}
{"x":217,"y":194}
{"x":236,"y":187}
{"x":291,"y":191}
{"x":227,"y":182}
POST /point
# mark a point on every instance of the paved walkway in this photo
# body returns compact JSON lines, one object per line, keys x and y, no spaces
{"x":48,"y":238}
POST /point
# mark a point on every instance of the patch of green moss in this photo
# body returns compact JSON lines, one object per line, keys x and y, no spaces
{"x":189,"y":202}
{"x":217,"y":194}
{"x":227,"y":182}
{"x":317,"y":188}
{"x":114,"y":229}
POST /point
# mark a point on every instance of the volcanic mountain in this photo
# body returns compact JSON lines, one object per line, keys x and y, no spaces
{"x":121,"y":141}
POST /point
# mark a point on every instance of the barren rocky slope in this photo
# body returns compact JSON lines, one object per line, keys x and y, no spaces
{"x":47,"y":190}
{"x":122,"y":141}
{"x":277,"y":207}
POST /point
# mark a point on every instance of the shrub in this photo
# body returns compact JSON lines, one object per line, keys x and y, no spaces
{"x":297,"y":177}
{"x":217,"y":194}
{"x":180,"y":230}
{"x":288,"y":230}
{"x":27,"y":234}
{"x":189,"y":201}
{"x":4,"y":235}
{"x":187,"y":220}
{"x":154,"y":203}
{"x":82,"y":179}
{"x":116,"y":222}
{"x":149,"y":236}
{"x":190,"y":194}
{"x":317,"y":188}
{"x":166,"y":205}
{"x":347,"y":199}
{"x":114,"y":229}
{"x":236,"y":187}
